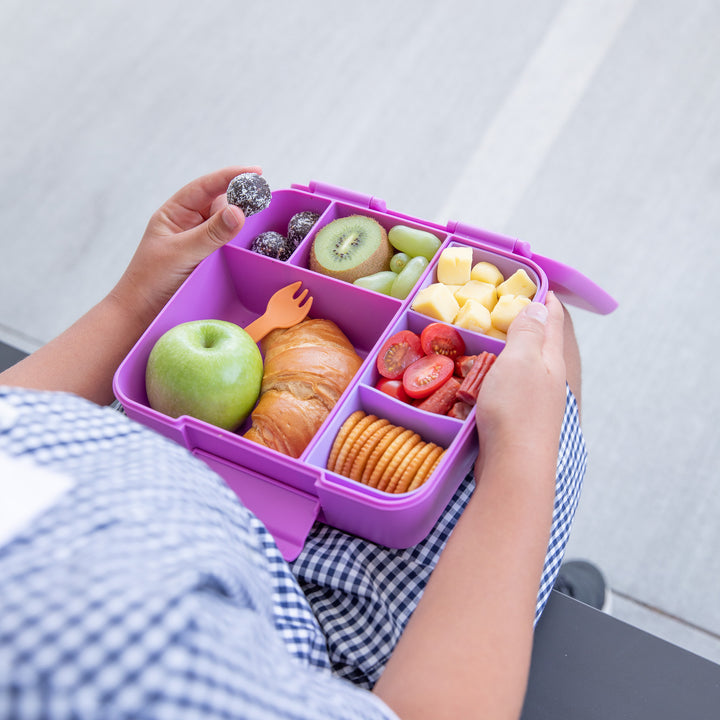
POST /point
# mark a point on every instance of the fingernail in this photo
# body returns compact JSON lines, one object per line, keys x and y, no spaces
{"x":537,"y":311}
{"x":230,"y":218}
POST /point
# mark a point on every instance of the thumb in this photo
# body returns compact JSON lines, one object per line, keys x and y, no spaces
{"x":527,"y":330}
{"x":221,"y":227}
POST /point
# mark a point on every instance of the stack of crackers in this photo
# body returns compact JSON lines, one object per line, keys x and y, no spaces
{"x":391,"y":458}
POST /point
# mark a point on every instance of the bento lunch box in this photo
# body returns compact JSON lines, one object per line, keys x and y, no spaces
{"x":289,"y":495}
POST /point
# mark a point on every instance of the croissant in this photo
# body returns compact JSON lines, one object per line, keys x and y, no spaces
{"x":307,"y":368}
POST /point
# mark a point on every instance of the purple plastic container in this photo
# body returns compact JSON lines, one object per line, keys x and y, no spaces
{"x":290,"y":494}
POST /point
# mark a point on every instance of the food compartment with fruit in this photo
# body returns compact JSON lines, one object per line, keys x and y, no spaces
{"x":305,"y":368}
{"x":371,"y":249}
{"x":432,"y":367}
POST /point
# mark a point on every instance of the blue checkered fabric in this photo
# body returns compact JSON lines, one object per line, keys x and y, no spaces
{"x":364,"y":594}
{"x":148,"y":591}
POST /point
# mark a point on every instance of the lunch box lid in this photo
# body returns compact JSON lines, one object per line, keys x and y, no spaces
{"x":569,"y":284}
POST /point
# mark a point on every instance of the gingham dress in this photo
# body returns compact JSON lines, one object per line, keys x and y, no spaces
{"x":146,"y":590}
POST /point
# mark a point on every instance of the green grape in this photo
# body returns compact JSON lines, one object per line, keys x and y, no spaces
{"x":406,"y":280}
{"x":380,"y":282}
{"x":398,"y":261}
{"x":414,"y":242}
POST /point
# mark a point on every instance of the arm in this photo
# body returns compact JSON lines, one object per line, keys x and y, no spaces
{"x":185,"y":230}
{"x":466,"y":649}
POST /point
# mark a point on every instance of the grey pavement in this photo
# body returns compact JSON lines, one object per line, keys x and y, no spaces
{"x":589,"y":129}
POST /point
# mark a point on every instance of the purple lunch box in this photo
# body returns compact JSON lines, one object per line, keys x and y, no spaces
{"x":289,"y":495}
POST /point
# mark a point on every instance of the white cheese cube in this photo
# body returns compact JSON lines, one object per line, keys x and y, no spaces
{"x":486,"y":272}
{"x":506,"y":310}
{"x":454,"y":265}
{"x":519,"y":283}
{"x":436,"y":301}
{"x":473,"y":316}
{"x":483,"y":292}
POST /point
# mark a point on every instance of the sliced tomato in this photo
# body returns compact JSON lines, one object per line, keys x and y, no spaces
{"x":427,"y":374}
{"x":442,"y":339}
{"x":393,"y":388}
{"x":397,"y":353}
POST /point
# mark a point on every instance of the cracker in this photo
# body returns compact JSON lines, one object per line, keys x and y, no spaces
{"x":345,"y":428}
{"x":435,"y":464}
{"x":386,"y":436}
{"x":387,"y":456}
{"x":349,"y":441}
{"x":413,"y":461}
{"x":392,"y":431}
{"x":422,"y":472}
{"x":392,"y":473}
{"x":431,"y":468}
{"x":363,"y":447}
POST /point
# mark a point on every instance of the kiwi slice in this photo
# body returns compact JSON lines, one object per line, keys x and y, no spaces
{"x":351,"y":247}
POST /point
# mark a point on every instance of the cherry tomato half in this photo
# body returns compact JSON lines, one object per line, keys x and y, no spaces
{"x":400,"y":350}
{"x":442,"y":339}
{"x":427,"y":374}
{"x":393,"y":388}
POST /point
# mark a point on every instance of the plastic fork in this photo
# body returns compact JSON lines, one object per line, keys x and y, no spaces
{"x":283,"y":311}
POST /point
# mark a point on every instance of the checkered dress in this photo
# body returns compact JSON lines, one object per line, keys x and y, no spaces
{"x":148,"y":591}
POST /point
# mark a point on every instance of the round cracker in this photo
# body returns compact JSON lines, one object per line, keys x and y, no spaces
{"x":392,"y":473}
{"x":391,"y":432}
{"x":363,"y":447}
{"x":387,"y":456}
{"x":349,"y":441}
{"x":345,"y":428}
{"x":432,"y":467}
{"x":422,"y":472}
{"x":359,"y":441}
{"x":377,"y":445}
{"x":413,"y":461}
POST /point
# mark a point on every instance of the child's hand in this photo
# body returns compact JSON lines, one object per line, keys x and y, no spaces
{"x":183,"y":232}
{"x":522,"y":399}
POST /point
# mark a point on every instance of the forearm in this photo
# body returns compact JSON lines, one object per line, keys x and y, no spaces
{"x":191,"y":225}
{"x":466,"y":649}
{"x":83,"y":359}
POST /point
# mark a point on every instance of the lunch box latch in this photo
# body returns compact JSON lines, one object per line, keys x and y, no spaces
{"x":288,"y":513}
{"x":343,"y":195}
{"x":513,"y":245}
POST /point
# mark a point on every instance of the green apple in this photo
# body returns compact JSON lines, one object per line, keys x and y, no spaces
{"x":208,"y":369}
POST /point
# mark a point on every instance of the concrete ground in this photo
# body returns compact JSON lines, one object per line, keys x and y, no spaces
{"x":589,"y":129}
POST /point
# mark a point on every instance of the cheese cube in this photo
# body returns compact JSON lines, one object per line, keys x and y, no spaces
{"x":474,"y":316}
{"x":437,"y":302}
{"x":454,"y":265}
{"x":519,"y":283}
{"x":486,"y":272}
{"x":506,"y":310}
{"x":483,"y":292}
{"x":498,"y":334}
